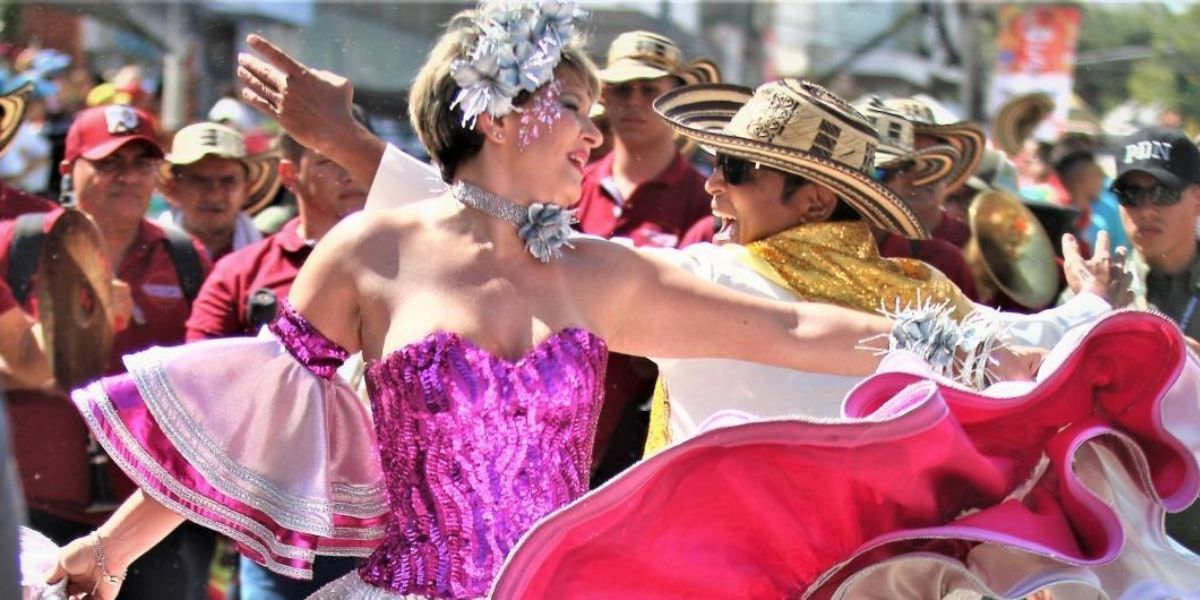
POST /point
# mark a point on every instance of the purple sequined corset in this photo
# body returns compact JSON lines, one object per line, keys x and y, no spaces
{"x":475,"y":450}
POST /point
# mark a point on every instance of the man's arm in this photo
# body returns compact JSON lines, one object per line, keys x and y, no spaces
{"x":21,"y":344}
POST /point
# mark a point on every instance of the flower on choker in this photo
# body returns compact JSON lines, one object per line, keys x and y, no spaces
{"x":519,"y":46}
{"x":546,"y":230}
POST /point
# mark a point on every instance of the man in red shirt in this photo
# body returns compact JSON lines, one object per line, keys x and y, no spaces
{"x":111,"y":157}
{"x":14,"y":203}
{"x":918,"y":168}
{"x":644,"y":190}
{"x":325,"y":194}
{"x":242,"y":294}
{"x":929,"y":200}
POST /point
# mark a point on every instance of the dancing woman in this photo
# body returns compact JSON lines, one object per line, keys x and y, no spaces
{"x":486,"y":329}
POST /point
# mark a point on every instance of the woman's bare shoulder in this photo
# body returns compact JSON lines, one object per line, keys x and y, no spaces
{"x":365,"y":228}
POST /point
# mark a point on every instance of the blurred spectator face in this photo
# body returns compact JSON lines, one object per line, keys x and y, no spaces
{"x":323,"y":185}
{"x":210,"y":192}
{"x":1159,"y":228}
{"x":117,"y":186}
{"x":630,"y":110}
{"x":927,"y":201}
{"x":1084,"y":183}
{"x":1029,"y":163}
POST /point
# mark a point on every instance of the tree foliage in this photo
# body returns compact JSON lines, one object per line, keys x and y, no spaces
{"x":1147,"y":52}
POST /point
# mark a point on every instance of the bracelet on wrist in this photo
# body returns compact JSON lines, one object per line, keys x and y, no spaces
{"x":102,"y":562}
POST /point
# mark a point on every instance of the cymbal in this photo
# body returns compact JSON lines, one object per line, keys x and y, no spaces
{"x":1011,"y":247}
{"x":75,"y":299}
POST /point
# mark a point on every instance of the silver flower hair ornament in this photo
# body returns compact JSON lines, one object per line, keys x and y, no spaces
{"x":519,"y":46}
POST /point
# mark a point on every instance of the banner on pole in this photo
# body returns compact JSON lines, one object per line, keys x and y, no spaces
{"x":1035,"y":52}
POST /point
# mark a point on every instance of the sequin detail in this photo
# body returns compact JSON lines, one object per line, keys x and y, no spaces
{"x":542,"y":113}
{"x":316,"y":352}
{"x":475,"y":450}
{"x":839,"y":263}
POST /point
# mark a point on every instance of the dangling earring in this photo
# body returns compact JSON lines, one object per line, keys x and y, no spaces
{"x":66,"y":195}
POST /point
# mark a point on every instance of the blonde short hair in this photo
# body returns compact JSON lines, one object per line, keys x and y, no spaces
{"x":440,"y":127}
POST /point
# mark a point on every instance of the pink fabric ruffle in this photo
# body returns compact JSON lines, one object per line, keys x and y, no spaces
{"x":236,"y":435}
{"x":930,"y":474}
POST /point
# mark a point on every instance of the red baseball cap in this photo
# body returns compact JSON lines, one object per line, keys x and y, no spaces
{"x":99,"y":131}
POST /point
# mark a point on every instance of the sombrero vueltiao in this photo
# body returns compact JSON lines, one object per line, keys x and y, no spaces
{"x":966,"y":137}
{"x":897,"y":146}
{"x":645,"y":55}
{"x":199,"y":140}
{"x":793,"y":126}
{"x":1017,"y":118}
{"x":12,"y":110}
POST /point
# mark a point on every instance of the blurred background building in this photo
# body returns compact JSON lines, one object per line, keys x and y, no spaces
{"x":1135,"y":61}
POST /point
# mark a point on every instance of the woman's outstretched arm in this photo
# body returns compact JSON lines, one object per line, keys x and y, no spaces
{"x":660,"y":310}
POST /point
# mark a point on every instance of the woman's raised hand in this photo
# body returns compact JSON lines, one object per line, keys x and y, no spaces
{"x":312,"y":105}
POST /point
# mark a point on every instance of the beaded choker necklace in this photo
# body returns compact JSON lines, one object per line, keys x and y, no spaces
{"x":545,"y":228}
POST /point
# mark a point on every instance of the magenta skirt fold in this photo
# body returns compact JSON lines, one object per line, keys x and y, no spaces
{"x":1058,"y":484}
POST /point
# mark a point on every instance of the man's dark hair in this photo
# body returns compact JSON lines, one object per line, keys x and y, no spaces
{"x":1070,"y":164}
{"x":791,"y":183}
{"x":293,"y":150}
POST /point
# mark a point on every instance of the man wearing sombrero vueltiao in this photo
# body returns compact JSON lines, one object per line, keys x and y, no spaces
{"x":14,"y":202}
{"x":794,"y":187}
{"x":209,"y":180}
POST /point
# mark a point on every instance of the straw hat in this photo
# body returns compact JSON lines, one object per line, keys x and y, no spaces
{"x":647,"y":55}
{"x":965,"y":136}
{"x":12,"y":110}
{"x":897,"y":146}
{"x":793,"y":126}
{"x":199,"y":140}
{"x":1017,"y":118}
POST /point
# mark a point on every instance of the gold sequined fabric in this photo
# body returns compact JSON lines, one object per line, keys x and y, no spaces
{"x":839,"y":263}
{"x":659,"y":435}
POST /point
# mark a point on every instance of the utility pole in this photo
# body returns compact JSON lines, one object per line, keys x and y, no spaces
{"x":175,"y":77}
{"x":971,"y":90}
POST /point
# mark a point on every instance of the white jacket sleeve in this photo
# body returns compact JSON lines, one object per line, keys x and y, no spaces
{"x":1046,"y":328}
{"x":402,"y":179}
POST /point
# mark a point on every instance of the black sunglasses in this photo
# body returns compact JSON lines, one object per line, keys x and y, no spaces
{"x":1132,"y":196}
{"x":735,"y":170}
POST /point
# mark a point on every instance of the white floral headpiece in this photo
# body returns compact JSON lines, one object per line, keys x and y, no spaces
{"x":519,"y":46}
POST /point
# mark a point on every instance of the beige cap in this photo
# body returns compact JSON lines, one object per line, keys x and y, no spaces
{"x":198,"y":140}
{"x":641,"y":55}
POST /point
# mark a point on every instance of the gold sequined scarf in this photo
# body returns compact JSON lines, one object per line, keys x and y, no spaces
{"x":839,"y":263}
